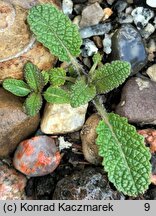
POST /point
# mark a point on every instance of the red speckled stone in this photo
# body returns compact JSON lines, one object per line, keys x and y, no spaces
{"x":37,"y":156}
{"x":12,"y":183}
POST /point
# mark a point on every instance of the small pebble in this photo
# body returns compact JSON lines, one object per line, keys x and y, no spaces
{"x":110,"y":2}
{"x":91,"y":15}
{"x":99,"y":29}
{"x":142,"y":16}
{"x":151,"y":72}
{"x":77,"y":20}
{"x":120,"y":6}
{"x":37,"y":156}
{"x":125,"y":18}
{"x":67,"y":7}
{"x":107,"y":43}
{"x":147,"y":31}
{"x":151,"y":3}
{"x":89,"y":48}
{"x":98,"y":41}
{"x":151,"y":49}
{"x":107,"y":13}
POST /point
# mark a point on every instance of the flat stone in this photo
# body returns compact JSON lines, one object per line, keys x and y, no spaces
{"x":12,"y":183}
{"x":62,"y":118}
{"x":127,"y":45}
{"x":138,"y":101}
{"x":15,"y":125}
{"x":91,"y":15}
{"x":87,"y":184}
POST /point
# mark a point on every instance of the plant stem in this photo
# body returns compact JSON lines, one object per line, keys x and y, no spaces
{"x":101,"y":110}
{"x":93,"y":69}
{"x":71,"y":79}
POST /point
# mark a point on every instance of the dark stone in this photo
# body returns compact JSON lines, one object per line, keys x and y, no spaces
{"x":89,"y":184}
{"x":127,"y":45}
{"x":15,"y":125}
{"x":153,"y":162}
{"x":138,"y":101}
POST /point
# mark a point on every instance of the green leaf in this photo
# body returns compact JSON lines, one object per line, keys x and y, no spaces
{"x":33,"y":77}
{"x":45,"y":75}
{"x":126,"y":159}
{"x":56,"y":95}
{"x":33,"y":104}
{"x":16,"y":87}
{"x":110,"y":76}
{"x":81,"y":93}
{"x":55,"y":31}
{"x":97,"y":58}
{"x":57,"y":76}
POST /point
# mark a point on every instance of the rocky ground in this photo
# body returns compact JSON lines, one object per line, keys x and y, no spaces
{"x":124,"y":30}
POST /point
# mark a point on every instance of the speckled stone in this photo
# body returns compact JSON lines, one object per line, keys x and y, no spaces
{"x":138,"y":101}
{"x":88,"y":184}
{"x":127,"y":45}
{"x":12,"y":183}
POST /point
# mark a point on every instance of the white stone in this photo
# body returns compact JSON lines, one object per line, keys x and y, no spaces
{"x":67,"y":7}
{"x":64,"y":144}
{"x":151,"y":71}
{"x":62,"y":118}
{"x":107,"y":43}
{"x":151,"y":3}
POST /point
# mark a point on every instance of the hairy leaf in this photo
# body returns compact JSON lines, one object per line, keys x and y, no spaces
{"x":55,"y":31}
{"x":56,"y":95}
{"x":110,"y":76}
{"x":16,"y":87}
{"x":33,"y":77}
{"x":97,"y":58}
{"x":126,"y":159}
{"x":45,"y":75}
{"x":33,"y":104}
{"x":81,"y":93}
{"x":57,"y":76}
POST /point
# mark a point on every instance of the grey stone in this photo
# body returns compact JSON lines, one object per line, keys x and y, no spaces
{"x":91,"y":15}
{"x":15,"y":125}
{"x":127,"y":45}
{"x":88,"y":184}
{"x":120,"y":6}
{"x":89,"y":48}
{"x":138,"y":101}
{"x":99,"y":29}
{"x":125,"y":18}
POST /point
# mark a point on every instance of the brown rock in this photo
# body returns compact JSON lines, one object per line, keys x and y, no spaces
{"x":12,"y":183}
{"x":17,"y":43}
{"x":15,"y":125}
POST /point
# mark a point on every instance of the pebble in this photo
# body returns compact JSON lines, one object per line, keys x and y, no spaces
{"x":110,"y":1}
{"x":78,"y":8}
{"x":77,"y":20}
{"x":91,"y":15}
{"x":142,"y":16}
{"x":88,"y":48}
{"x":120,"y":6}
{"x":125,"y":18}
{"x":37,"y":156}
{"x":147,"y":31}
{"x":87,"y":184}
{"x":99,"y":29}
{"x":88,"y":138}
{"x":107,"y":12}
{"x":107,"y":44}
{"x":151,"y":49}
{"x":151,"y":3}
{"x":138,"y":101}
{"x":151,"y":72}
{"x":67,"y":7}
{"x":12,"y":183}
{"x":15,"y":125}
{"x":98,"y":41}
{"x":127,"y":45}
{"x":62,"y":118}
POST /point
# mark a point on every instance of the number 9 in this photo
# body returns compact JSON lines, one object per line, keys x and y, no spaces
{"x":147,"y":206}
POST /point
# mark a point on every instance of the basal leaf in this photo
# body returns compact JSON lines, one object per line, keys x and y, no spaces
{"x":33,"y":77}
{"x":45,"y":75}
{"x":56,"y":95}
{"x":33,"y":104}
{"x":57,"y":76}
{"x":16,"y":87}
{"x":55,"y":31}
{"x":110,"y":76}
{"x":126,"y":159}
{"x":81,"y":93}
